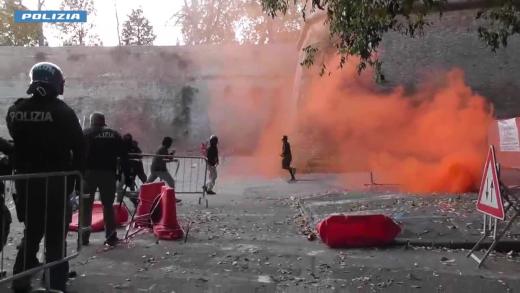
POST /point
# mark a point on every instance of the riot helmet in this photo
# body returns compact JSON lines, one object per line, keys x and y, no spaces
{"x":46,"y":79}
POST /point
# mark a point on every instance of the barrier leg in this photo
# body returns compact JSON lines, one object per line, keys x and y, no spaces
{"x":498,"y":237}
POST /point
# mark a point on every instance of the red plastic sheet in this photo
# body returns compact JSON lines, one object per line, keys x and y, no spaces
{"x":342,"y":231}
{"x":121,"y":215}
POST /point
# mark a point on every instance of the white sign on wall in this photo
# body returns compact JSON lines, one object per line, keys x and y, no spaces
{"x":508,"y":132}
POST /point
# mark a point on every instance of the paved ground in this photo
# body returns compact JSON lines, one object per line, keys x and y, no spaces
{"x":250,"y":240}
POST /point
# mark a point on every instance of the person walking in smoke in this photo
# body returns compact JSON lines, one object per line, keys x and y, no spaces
{"x":104,"y":147}
{"x":212,"y":156}
{"x":47,"y":138}
{"x":158,"y":168}
{"x":287,"y":157}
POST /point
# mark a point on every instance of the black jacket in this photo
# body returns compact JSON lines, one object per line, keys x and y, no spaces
{"x":159,"y":163}
{"x":104,"y":146}
{"x":47,"y":136}
{"x":133,"y":148}
{"x":286,"y":150}
{"x":212,"y":155}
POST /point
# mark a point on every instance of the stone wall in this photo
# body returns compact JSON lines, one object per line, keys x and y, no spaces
{"x":151,"y":91}
{"x":451,"y":41}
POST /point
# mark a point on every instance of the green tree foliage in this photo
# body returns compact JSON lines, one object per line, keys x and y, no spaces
{"x":501,"y":22}
{"x":17,"y":34}
{"x":79,"y":33}
{"x":137,"y":30}
{"x":357,"y":26}
{"x":257,"y":28}
{"x":237,"y":21}
{"x":207,"y":21}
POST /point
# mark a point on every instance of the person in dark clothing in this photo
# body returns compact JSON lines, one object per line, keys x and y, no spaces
{"x":134,"y":164}
{"x":158,"y":168}
{"x":212,"y":157}
{"x":135,"y":169}
{"x":5,"y":169}
{"x":47,"y":138}
{"x":287,"y":157}
{"x":104,"y":147}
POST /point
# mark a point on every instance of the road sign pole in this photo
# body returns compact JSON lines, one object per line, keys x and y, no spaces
{"x":492,"y":195}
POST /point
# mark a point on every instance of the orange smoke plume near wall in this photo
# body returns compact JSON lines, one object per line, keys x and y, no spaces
{"x":432,"y":140}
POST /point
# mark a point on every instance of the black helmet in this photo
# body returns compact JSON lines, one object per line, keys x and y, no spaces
{"x":97,"y":119}
{"x":213,"y":139}
{"x":128,"y":137}
{"x":167,"y":141}
{"x":46,"y":76}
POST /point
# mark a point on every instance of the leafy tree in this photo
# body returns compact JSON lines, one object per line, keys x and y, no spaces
{"x":78,"y":33}
{"x":257,"y":28}
{"x":207,"y":21}
{"x":224,"y":21}
{"x":17,"y":34}
{"x":137,"y":30}
{"x":357,"y":26}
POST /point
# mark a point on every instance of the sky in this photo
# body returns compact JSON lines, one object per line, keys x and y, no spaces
{"x":159,"y":12}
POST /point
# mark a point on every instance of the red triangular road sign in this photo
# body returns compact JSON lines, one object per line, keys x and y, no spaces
{"x":489,"y":198}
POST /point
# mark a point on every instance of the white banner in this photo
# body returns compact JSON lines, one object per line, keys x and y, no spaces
{"x":508,"y":132}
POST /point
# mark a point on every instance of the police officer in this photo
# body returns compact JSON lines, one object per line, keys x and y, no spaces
{"x":104,"y":147}
{"x":47,"y":138}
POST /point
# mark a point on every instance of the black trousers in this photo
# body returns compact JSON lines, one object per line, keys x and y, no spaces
{"x":44,"y":207}
{"x":105,"y":181}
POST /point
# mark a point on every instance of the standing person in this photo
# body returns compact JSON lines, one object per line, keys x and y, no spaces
{"x":7,"y":149}
{"x":287,"y":157}
{"x":212,"y":156}
{"x":47,"y":138}
{"x":140,"y":168}
{"x":104,"y":147}
{"x":135,"y":163}
{"x":158,"y":168}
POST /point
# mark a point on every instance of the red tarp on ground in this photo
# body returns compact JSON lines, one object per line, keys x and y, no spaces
{"x":342,"y":231}
{"x":98,"y":224}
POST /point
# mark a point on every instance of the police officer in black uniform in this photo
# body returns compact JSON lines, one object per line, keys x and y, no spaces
{"x":47,"y":138}
{"x":104,"y":147}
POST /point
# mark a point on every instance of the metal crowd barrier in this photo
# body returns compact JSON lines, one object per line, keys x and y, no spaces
{"x":189,"y":173}
{"x":26,"y":182}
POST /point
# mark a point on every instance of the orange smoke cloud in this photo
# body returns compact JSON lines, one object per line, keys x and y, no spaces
{"x":251,"y":120}
{"x":433,"y":140}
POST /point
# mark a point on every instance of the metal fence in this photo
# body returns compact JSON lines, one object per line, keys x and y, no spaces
{"x":189,"y":173}
{"x":40,"y":208}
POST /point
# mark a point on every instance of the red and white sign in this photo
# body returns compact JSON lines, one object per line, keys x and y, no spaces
{"x":489,"y":198}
